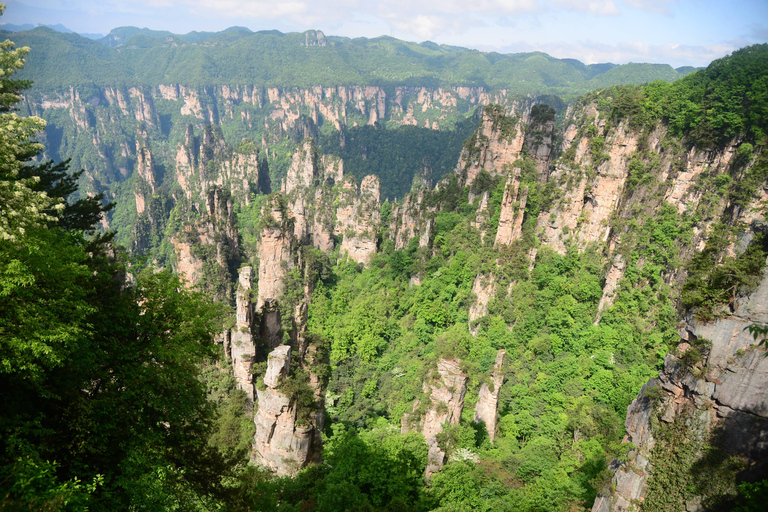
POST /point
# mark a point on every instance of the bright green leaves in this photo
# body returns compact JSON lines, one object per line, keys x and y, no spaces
{"x":45,"y":306}
{"x":710,"y":106}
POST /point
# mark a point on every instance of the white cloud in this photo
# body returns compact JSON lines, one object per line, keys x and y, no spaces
{"x":591,"y":52}
{"x":604,"y":7}
{"x":655,"y":6}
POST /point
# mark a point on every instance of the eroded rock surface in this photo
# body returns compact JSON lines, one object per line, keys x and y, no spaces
{"x":242,"y":348}
{"x":446,"y":402}
{"x":486,"y":408}
{"x":281,"y":443}
{"x":725,"y":396}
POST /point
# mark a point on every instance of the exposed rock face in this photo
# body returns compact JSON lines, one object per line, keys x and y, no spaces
{"x":482,"y":216}
{"x":187,"y":266}
{"x":486,"y":408}
{"x":145,"y":167}
{"x":615,"y":273}
{"x":313,"y":185}
{"x":728,"y":396}
{"x":587,"y":205}
{"x":242,"y":347}
{"x":359,"y":218}
{"x":484,"y":288}
{"x":512,"y":211}
{"x":274,"y":255}
{"x":409,"y":219}
{"x":243,"y":107}
{"x":495,"y":147}
{"x":303,"y":168}
{"x":282,"y":443}
{"x":446,"y":402}
{"x":214,"y":234}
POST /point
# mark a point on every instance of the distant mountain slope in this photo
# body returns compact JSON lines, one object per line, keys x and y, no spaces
{"x":132,"y":56}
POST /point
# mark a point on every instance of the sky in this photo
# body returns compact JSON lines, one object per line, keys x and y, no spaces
{"x":676,"y":32}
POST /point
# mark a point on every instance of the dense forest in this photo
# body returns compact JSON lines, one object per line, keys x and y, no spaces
{"x":120,"y":391}
{"x":271,"y":58}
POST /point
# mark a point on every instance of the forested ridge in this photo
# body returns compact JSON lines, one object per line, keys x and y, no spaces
{"x":120,"y":392}
{"x":239,"y":56}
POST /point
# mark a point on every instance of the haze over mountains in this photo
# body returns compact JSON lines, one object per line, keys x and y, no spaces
{"x":299,"y":59}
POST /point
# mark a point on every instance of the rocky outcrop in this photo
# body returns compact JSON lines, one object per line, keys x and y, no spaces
{"x":358,"y":216}
{"x":486,"y":408}
{"x":209,"y":239}
{"x":512,"y":211}
{"x":410,"y":218}
{"x":242,"y":347}
{"x":316,"y":188}
{"x":207,"y":162}
{"x":615,"y":273}
{"x":145,"y":169}
{"x":309,"y":187}
{"x":187,"y":266}
{"x":495,"y":146}
{"x":108,"y":118}
{"x":484,"y":288}
{"x":283,"y":443}
{"x":275,"y":260}
{"x":445,"y":402}
{"x":724,"y":398}
{"x":583,"y":212}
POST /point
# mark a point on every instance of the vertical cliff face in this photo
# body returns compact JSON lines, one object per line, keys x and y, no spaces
{"x":309,"y":187}
{"x":603,"y":181}
{"x":411,"y":218}
{"x":484,"y":288}
{"x":207,"y":162}
{"x":242,"y":346}
{"x":275,"y":257}
{"x":495,"y":146}
{"x":145,"y":168}
{"x":359,"y":218}
{"x":105,"y":122}
{"x":512,"y":211}
{"x":486,"y":408}
{"x":444,"y":394}
{"x":285,"y":441}
{"x":325,"y":204}
{"x":207,"y":246}
{"x":720,"y":395}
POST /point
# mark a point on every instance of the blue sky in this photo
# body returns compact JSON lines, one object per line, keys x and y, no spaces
{"x":677,"y":32}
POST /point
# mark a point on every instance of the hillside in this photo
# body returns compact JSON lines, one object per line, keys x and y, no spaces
{"x":133,"y":57}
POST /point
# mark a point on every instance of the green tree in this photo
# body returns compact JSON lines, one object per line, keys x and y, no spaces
{"x":102,"y":405}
